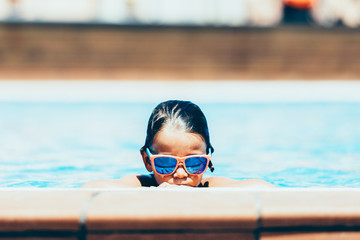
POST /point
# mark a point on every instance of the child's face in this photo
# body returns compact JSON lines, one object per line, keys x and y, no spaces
{"x":178,"y":143}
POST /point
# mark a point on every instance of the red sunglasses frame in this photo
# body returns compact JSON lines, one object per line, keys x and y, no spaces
{"x":180,"y":160}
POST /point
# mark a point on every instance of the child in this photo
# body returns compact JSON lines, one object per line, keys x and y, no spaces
{"x":178,"y":151}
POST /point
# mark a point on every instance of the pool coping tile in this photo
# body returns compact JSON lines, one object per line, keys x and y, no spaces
{"x":171,"y":236}
{"x":268,"y":213}
{"x":149,"y":210}
{"x":310,"y":236}
{"x":310,"y":208}
{"x":39,"y":210}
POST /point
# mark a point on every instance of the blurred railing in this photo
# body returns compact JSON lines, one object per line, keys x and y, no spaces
{"x":233,"y":13}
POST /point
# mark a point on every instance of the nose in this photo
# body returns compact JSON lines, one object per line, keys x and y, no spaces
{"x":180,"y":172}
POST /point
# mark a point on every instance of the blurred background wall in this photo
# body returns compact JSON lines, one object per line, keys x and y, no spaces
{"x":180,"y":39}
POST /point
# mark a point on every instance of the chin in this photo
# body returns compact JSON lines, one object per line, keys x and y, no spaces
{"x":182,"y":183}
{"x":191,"y":184}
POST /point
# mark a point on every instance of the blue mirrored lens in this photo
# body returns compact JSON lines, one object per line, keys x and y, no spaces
{"x":165,"y":165}
{"x":196,"y":165}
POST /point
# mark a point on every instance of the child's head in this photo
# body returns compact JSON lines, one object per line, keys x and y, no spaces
{"x":177,"y":128}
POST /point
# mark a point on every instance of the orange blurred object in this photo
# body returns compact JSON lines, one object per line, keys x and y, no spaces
{"x":301,"y":4}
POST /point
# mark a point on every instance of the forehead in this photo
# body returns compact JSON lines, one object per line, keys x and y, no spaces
{"x":180,"y":143}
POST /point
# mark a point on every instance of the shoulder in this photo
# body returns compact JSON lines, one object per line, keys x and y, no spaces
{"x":227,"y":182}
{"x":127,"y":181}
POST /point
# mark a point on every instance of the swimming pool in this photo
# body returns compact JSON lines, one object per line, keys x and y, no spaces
{"x":58,"y":139}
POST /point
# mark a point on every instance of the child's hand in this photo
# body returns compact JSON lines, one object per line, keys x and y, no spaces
{"x":168,"y":185}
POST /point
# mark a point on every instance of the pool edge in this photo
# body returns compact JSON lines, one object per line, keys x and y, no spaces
{"x":163,"y":213}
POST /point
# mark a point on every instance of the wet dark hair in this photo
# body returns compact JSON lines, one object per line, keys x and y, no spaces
{"x":181,"y":114}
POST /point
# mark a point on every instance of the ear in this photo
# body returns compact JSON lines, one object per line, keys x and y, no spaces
{"x":146,"y":160}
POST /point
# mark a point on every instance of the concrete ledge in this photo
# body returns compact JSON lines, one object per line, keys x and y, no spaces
{"x":152,"y":213}
{"x":311,"y":236}
{"x":41,"y":210}
{"x":91,"y":52}
{"x":325,"y":208}
{"x":181,"y":210}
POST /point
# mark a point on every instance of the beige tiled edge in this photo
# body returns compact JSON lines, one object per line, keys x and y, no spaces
{"x":311,"y":236}
{"x":173,"y":236}
{"x":181,"y":210}
{"x":41,"y":209}
{"x":310,"y":208}
{"x":37,"y":238}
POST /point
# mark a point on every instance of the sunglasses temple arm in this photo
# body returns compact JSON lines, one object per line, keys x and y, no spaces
{"x":148,"y":152}
{"x":211,"y":167}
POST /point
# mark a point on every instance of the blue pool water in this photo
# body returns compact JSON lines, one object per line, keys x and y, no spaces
{"x":287,"y":144}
